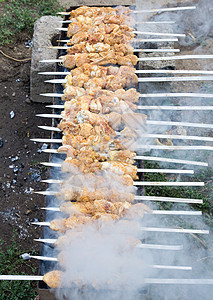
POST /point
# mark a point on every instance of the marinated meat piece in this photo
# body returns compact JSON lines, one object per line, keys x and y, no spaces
{"x":105,"y":218}
{"x":120,"y":208}
{"x":124,"y":48}
{"x":79,"y":37}
{"x":127,"y":60}
{"x":115,"y":82}
{"x":74,"y":221}
{"x":111,"y":70}
{"x":134,"y":120}
{"x":95,"y":106}
{"x":69,"y":61}
{"x":71,"y":92}
{"x":86,"y":130}
{"x":114,"y":120}
{"x":111,"y":27}
{"x":76,"y":27}
{"x":58,"y":225}
{"x":128,"y":95}
{"x":128,"y":132}
{"x":138,"y":210}
{"x":68,"y":149}
{"x":96,"y":48}
{"x":95,"y":83}
{"x":120,"y":168}
{"x":117,"y":38}
{"x":82,"y":58}
{"x":85,"y":194}
{"x":53,"y":279}
{"x":125,"y":156}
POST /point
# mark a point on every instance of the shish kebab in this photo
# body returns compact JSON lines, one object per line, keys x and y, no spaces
{"x":61,"y":225}
{"x":119,"y":10}
{"x":110,"y":57}
{"x":108,"y":30}
{"x":166,"y":267}
{"x":120,"y":14}
{"x":53,"y":279}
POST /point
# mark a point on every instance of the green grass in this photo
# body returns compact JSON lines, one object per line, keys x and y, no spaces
{"x":204,"y":193}
{"x":12,"y":264}
{"x":19,"y":16}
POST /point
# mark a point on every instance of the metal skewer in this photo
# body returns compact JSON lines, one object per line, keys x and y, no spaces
{"x":156,"y":22}
{"x":143,"y":135}
{"x":158,"y":10}
{"x":151,"y":158}
{"x":142,"y":32}
{"x":154,"y":212}
{"x":152,"y":79}
{"x":148,"y":122}
{"x":158,"y":95}
{"x":183,"y":268}
{"x":135,"y":183}
{"x":164,"y":9}
{"x":149,"y":229}
{"x":146,"y":147}
{"x":143,"y":198}
{"x":167,"y":171}
{"x":183,"y":124}
{"x":140,"y":40}
{"x":142,"y":246}
{"x":178,"y":281}
{"x":135,"y":50}
{"x":145,"y":22}
{"x":168,"y":199}
{"x":174,"y":230}
{"x":178,"y":57}
{"x":189,"y":107}
{"x":144,"y":72}
{"x":155,"y":58}
{"x":148,"y":107}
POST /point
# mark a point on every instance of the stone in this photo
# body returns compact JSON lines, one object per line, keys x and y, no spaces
{"x":28,"y":101}
{"x":44,"y":32}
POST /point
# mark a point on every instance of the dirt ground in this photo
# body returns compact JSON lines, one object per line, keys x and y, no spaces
{"x":20,"y":172}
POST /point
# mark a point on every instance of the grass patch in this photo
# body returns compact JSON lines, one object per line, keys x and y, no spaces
{"x":12,"y":264}
{"x":19,"y":16}
{"x":205,"y":193}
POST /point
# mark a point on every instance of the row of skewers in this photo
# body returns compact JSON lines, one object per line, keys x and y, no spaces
{"x":99,"y":189}
{"x":99,"y":125}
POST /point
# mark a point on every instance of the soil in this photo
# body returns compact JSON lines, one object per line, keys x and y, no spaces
{"x":20,"y":172}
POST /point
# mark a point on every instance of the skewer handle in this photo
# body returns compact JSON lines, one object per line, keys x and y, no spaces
{"x":20,"y":277}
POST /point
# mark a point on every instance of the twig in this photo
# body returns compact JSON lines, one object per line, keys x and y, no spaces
{"x":196,"y":237}
{"x":203,"y":258}
{"x":19,"y":60}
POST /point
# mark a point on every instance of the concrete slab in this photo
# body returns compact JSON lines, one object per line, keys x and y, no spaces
{"x":44,"y":32}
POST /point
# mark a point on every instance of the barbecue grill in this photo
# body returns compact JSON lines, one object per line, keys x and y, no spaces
{"x":150,"y":233}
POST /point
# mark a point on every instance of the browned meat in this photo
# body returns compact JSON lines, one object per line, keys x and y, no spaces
{"x":53,"y":279}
